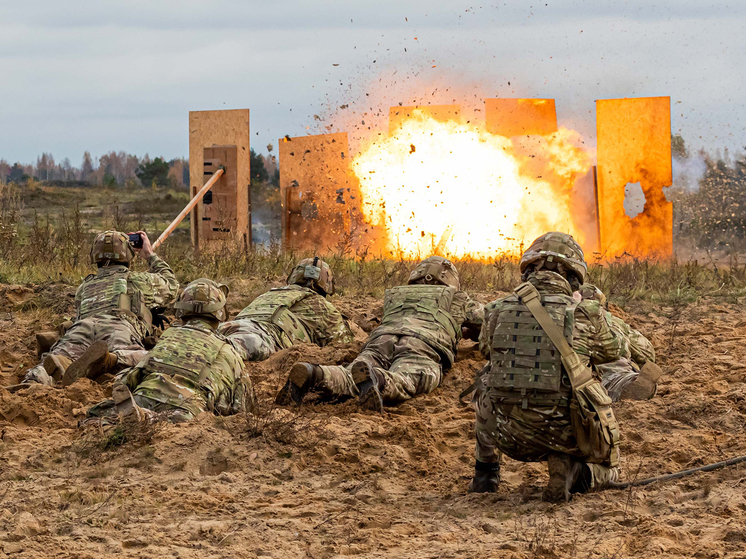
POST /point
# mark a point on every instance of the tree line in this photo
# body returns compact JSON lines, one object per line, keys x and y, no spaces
{"x":122,"y":169}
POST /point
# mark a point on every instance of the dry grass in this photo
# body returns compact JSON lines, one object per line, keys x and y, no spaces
{"x":51,"y":243}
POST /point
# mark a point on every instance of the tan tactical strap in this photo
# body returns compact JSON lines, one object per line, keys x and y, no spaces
{"x":583,"y":383}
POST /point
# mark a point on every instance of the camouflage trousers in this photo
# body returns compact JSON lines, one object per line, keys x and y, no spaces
{"x":615,"y":376}
{"x":409,"y":365}
{"x":122,"y":337}
{"x":528,"y":435}
{"x":253,"y":340}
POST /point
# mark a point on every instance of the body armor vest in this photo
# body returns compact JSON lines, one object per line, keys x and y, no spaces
{"x":525,"y":366}
{"x":188,"y":353}
{"x":422,"y":311}
{"x":274,"y":307}
{"x":110,"y":291}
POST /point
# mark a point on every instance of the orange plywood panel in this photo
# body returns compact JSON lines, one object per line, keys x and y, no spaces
{"x":221,"y":128}
{"x":321,"y":198}
{"x":442,"y":113}
{"x":517,"y":117}
{"x":634,"y":146}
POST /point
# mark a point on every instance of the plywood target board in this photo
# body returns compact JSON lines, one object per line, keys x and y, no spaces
{"x":320,"y":197}
{"x":441,"y":113}
{"x":520,"y":117}
{"x":208,"y":129}
{"x":634,"y":150}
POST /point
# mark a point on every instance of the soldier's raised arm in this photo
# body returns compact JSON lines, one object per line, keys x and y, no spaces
{"x":158,"y":285}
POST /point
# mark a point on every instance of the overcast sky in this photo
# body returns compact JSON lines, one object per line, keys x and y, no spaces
{"x":99,"y":75}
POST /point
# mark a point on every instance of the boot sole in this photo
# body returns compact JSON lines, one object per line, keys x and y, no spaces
{"x":299,"y":374}
{"x":79,"y":367}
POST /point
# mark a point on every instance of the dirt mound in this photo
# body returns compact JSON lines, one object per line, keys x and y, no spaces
{"x":326,"y":480}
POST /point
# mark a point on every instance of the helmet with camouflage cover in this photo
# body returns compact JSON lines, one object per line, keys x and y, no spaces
{"x":556,"y":248}
{"x":112,"y":246}
{"x":203,"y":297}
{"x":435,"y":269}
{"x":313,"y":273}
{"x":593,"y":293}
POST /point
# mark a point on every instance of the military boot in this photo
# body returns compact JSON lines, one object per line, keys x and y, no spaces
{"x":369,"y":384}
{"x":567,"y":475}
{"x":302,"y":379}
{"x":645,"y":386}
{"x":94,"y":362}
{"x":123,"y":401}
{"x":45,"y":341}
{"x":486,"y":477}
{"x":56,"y":365}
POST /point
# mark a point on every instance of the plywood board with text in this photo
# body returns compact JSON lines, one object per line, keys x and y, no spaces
{"x":221,"y":128}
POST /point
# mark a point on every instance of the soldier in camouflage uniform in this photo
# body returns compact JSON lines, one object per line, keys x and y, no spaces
{"x":191,"y":369}
{"x":293,"y":314}
{"x":635,"y":374}
{"x":524,"y":402}
{"x":113,"y":313}
{"x":407,"y":354}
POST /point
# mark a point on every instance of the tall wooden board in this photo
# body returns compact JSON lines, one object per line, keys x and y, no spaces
{"x":218,"y":218}
{"x":441,"y":113}
{"x":634,"y":146}
{"x":320,"y":197}
{"x":519,"y":117}
{"x":221,"y":128}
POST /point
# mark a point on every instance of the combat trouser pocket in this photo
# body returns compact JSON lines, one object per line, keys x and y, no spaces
{"x":593,"y":423}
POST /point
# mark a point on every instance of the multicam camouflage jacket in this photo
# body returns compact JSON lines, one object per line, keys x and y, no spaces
{"x":192,"y":368}
{"x":635,"y":346}
{"x":301,"y":314}
{"x":593,"y":339}
{"x":433,"y":313}
{"x":105,"y":292}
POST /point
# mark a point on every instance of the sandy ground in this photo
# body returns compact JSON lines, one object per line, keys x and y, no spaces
{"x":328,"y":480}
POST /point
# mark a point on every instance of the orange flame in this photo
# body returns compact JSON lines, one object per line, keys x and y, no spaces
{"x":453,"y":189}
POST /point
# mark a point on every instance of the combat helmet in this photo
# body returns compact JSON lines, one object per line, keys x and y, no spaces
{"x":555,"y":247}
{"x":112,"y":246}
{"x":203,"y":297}
{"x":436,"y":269}
{"x":313,"y":273}
{"x":593,"y":293}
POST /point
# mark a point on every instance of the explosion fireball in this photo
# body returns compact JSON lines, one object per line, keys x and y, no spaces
{"x":453,"y":189}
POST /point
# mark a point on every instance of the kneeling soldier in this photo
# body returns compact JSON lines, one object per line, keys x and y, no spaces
{"x":539,"y":400}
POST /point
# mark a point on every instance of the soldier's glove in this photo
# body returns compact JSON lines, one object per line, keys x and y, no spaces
{"x":160,"y":320}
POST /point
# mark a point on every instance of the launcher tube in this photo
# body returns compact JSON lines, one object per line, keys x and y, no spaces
{"x":188,"y":208}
